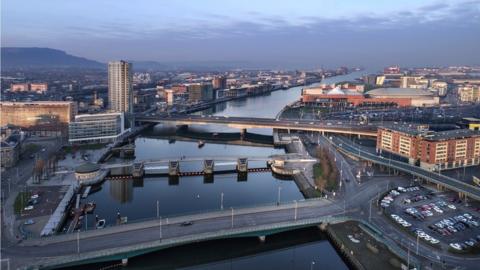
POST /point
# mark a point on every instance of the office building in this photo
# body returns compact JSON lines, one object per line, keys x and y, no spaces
{"x":198,"y":92}
{"x":431,"y":150}
{"x":219,"y":82}
{"x":120,"y":86}
{"x":96,"y":128}
{"x":42,"y":118}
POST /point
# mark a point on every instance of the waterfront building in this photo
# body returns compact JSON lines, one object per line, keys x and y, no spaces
{"x":198,"y":92}
{"x":120,"y":96}
{"x":431,"y":150}
{"x":43,"y":118}
{"x":219,"y":82}
{"x":96,"y":128}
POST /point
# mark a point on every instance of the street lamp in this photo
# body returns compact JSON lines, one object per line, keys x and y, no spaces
{"x":221,"y":201}
{"x":160,"y":228}
{"x":312,"y":264}
{"x":232,"y":216}
{"x":78,"y":241}
{"x":158,"y":209}
{"x":296,"y":206}
{"x":279,"y":194}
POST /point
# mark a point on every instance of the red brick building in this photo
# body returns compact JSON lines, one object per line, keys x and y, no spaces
{"x":431,"y":150}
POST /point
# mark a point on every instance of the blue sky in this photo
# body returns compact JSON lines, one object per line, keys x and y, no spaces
{"x":263,"y":32}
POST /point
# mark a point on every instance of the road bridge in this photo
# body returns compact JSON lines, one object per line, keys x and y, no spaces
{"x":133,"y":239}
{"x":445,"y":181}
{"x":251,"y":122}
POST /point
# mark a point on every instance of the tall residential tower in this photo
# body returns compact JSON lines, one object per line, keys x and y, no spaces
{"x":120,"y":86}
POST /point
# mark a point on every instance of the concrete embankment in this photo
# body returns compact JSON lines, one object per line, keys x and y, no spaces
{"x":301,"y":178}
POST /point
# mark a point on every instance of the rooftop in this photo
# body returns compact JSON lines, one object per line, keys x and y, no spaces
{"x":416,"y":130}
{"x":405,"y":92}
{"x":87,"y":168}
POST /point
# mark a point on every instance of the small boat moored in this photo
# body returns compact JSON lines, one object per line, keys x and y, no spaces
{"x":101,"y":224}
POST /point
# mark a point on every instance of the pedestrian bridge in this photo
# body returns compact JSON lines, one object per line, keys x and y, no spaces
{"x":251,"y":122}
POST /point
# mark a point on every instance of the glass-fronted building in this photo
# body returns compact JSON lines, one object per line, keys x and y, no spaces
{"x":96,"y":128}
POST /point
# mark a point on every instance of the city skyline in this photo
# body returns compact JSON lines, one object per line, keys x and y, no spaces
{"x":372,"y":34}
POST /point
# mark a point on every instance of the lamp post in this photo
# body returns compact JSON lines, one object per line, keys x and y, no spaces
{"x":221,"y":201}
{"x":78,"y":241}
{"x":232,"y":217}
{"x":158,"y":209}
{"x":312,"y":264}
{"x":160,"y":228}
{"x":296,"y":206}
{"x":279,"y":194}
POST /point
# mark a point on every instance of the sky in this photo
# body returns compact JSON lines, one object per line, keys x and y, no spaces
{"x":274,"y":33}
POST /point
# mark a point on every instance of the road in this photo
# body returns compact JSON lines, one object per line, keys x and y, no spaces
{"x":437,"y":178}
{"x":249,"y":122}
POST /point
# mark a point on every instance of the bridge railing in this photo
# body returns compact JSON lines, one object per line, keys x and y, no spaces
{"x":204,"y":213}
{"x":192,"y":238}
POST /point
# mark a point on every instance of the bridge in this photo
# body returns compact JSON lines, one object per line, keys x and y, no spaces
{"x":251,"y":122}
{"x":437,"y":178}
{"x":125,"y":241}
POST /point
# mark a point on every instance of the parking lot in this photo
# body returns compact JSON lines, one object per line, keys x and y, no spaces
{"x":43,"y":202}
{"x":439,"y":219}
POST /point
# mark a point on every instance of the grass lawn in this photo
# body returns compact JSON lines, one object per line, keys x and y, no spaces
{"x":21,"y":201}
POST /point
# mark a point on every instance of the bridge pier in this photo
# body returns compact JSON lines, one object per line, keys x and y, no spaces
{"x":138,"y":169}
{"x":208,"y":166}
{"x":243,"y":132}
{"x":173,"y":168}
{"x":242,"y":165}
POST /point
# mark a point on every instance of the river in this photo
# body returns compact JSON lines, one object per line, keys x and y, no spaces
{"x":138,"y":199}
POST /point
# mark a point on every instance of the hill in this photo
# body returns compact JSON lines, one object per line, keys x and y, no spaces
{"x":24,"y":58}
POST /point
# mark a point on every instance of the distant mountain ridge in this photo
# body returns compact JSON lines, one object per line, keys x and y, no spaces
{"x":47,"y":58}
{"x":23,"y":57}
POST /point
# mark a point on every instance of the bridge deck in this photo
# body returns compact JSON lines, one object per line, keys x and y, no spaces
{"x":250,"y":122}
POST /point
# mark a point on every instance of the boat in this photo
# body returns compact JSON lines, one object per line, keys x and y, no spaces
{"x":101,"y":224}
{"x":201,"y":143}
{"x":89,"y":207}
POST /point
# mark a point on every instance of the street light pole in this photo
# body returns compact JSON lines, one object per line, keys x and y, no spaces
{"x":160,"y":230}
{"x":279,"y":193}
{"x":370,"y":213}
{"x":296,"y":206}
{"x":78,"y":241}
{"x":417,"y":243}
{"x":158,"y":209}
{"x":221,"y":201}
{"x":232,"y":217}
{"x":312,"y":264}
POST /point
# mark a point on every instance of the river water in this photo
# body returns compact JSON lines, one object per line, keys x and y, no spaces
{"x":138,"y":199}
